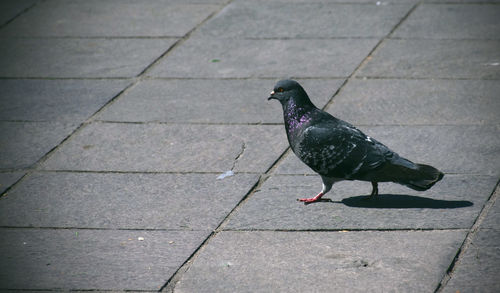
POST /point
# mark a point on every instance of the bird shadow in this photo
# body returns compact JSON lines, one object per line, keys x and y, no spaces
{"x":399,"y":201}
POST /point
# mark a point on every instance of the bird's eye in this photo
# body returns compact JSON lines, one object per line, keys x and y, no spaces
{"x":280,"y":89}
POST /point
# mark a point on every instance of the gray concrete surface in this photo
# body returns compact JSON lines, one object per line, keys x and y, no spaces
{"x":118,"y":118}
{"x":322,"y":262}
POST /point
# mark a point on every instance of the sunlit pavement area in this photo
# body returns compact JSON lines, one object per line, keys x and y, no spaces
{"x":139,"y":152}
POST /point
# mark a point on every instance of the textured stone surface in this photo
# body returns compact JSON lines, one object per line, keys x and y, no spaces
{"x":319,"y":261}
{"x":49,"y":100}
{"x":405,"y":58}
{"x":91,"y":18}
{"x":11,"y":8}
{"x":303,"y":20}
{"x":462,"y":1}
{"x":8,"y":178}
{"x":173,"y":148}
{"x":214,"y":101}
{"x":78,"y":57}
{"x":457,"y":149}
{"x":88,"y":259}
{"x":455,"y":202}
{"x":425,"y":102}
{"x":123,"y":201}
{"x":132,"y":195}
{"x":477,"y":270}
{"x":443,"y":21}
{"x":208,"y":57}
{"x":24,"y":143}
{"x":492,"y":220}
{"x":342,"y":1}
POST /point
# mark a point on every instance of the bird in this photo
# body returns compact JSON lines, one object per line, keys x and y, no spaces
{"x":338,"y":151}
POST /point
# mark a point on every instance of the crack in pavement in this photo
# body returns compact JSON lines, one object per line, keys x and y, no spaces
{"x":239,"y":155}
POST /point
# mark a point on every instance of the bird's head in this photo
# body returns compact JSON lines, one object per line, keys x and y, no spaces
{"x":286,"y":90}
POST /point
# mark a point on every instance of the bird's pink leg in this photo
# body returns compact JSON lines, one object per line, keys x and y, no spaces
{"x":312,"y":199}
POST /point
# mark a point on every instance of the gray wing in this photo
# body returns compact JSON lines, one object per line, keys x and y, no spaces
{"x":340,"y":150}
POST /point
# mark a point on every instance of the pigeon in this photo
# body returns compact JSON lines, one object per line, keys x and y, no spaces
{"x":337,"y":150}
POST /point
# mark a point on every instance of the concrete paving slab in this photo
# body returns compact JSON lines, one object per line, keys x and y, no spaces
{"x":117,"y":18}
{"x":9,"y":178}
{"x":92,"y":259}
{"x":11,"y":8}
{"x":444,"y":21}
{"x":469,"y":149}
{"x":424,"y":102}
{"x":24,"y":143}
{"x":245,"y":19}
{"x":207,"y":101}
{"x":477,"y":271}
{"x":55,"y":100}
{"x":235,"y":58}
{"x":372,"y":2}
{"x":205,"y":1}
{"x":170,"y":148}
{"x":492,"y":219}
{"x":261,"y":261}
{"x":462,"y":1}
{"x":151,"y":172}
{"x":453,"y":203}
{"x":416,"y":58}
{"x":66,"y":57}
{"x":123,"y":201}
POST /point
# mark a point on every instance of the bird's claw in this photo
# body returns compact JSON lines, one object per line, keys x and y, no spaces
{"x":307,"y":200}
{"x":311,"y":199}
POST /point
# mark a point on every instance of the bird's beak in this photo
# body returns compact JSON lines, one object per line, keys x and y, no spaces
{"x":271,"y":96}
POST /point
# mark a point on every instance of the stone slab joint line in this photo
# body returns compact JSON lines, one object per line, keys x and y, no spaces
{"x":36,"y":166}
{"x":368,"y":57}
{"x":468,"y":241}
{"x":170,"y":284}
{"x":91,"y":118}
{"x":143,"y":73}
{"x":88,"y":121}
{"x":2,"y":25}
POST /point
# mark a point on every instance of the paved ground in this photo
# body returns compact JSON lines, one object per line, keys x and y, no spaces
{"x":118,"y":116}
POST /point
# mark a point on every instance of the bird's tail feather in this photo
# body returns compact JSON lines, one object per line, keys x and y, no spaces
{"x":420,"y":178}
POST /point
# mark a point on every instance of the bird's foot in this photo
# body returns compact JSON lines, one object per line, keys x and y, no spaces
{"x":311,"y":199}
{"x":307,"y":200}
